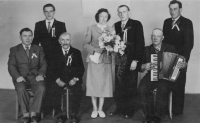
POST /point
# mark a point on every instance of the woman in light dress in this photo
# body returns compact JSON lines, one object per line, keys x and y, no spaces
{"x":99,"y":74}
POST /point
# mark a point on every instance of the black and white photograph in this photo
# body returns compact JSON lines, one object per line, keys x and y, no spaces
{"x":99,"y":61}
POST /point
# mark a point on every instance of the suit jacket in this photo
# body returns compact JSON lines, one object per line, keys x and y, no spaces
{"x":61,"y":70}
{"x":41,"y":36}
{"x":182,"y":39}
{"x":20,"y":65}
{"x":91,"y":43}
{"x":135,"y":39}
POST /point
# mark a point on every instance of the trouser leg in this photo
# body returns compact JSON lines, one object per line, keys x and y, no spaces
{"x":23,"y":96}
{"x":145,"y":94}
{"x":38,"y":89}
{"x":162,"y":95}
{"x":178,"y":94}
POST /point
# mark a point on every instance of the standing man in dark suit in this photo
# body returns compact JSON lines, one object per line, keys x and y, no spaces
{"x":46,"y":34}
{"x":27,"y":67}
{"x":68,"y":70}
{"x":126,"y":65}
{"x":48,"y":31}
{"x":178,"y":31}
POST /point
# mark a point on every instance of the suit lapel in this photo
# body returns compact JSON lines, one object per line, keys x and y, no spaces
{"x":44,"y":26}
{"x":98,"y":29}
{"x":22,"y":52}
{"x":172,"y":30}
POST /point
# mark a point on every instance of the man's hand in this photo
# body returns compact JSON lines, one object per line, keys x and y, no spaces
{"x":147,"y":66}
{"x":21,"y":79}
{"x":60,"y":82}
{"x":39,"y":78}
{"x":133,"y":65}
{"x":72,"y":82}
{"x":182,"y":65}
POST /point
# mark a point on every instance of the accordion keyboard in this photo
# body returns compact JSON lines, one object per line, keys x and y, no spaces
{"x":154,"y":72}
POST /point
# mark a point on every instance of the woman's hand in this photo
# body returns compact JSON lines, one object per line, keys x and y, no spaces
{"x":99,"y":50}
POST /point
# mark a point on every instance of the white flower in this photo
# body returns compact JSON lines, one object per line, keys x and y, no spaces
{"x":116,"y":48}
{"x":101,"y":44}
{"x":121,"y":52}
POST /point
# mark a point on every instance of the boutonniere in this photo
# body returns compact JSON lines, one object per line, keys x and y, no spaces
{"x":69,"y":60}
{"x":127,"y":28}
{"x":53,"y":32}
{"x":175,"y":25}
{"x":34,"y":55}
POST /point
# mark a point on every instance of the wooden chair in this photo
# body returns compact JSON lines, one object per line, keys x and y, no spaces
{"x":169,"y":104}
{"x":18,"y":106}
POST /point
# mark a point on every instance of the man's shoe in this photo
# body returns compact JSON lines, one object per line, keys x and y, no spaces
{"x":116,"y":112}
{"x":25,"y":120}
{"x":156,"y":119}
{"x":147,"y":120}
{"x":60,"y":119}
{"x":74,"y":119}
{"x":34,"y":119}
{"x":127,"y":116}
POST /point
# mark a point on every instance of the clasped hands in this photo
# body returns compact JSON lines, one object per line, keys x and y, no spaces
{"x":38,"y":78}
{"x":61,"y":83}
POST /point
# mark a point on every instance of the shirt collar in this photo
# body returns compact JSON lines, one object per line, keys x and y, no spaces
{"x":47,"y":22}
{"x":102,"y":27}
{"x":63,"y":50}
{"x":176,"y":18}
{"x":29,"y":46}
{"x":124,"y":22}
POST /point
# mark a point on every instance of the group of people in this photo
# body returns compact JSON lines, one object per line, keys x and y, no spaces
{"x":46,"y":63}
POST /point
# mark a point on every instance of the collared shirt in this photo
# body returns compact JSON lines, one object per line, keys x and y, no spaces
{"x":102,"y":27}
{"x":63,"y":50}
{"x":124,"y":22}
{"x":29,"y":46}
{"x":176,"y":19}
{"x":47,"y":22}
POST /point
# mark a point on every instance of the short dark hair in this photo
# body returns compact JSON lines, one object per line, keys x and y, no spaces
{"x":99,"y":12}
{"x":49,"y":5}
{"x":176,"y":1}
{"x":124,"y":6}
{"x":25,"y":30}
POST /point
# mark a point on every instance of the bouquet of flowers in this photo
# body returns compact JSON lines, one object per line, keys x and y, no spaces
{"x":112,"y":43}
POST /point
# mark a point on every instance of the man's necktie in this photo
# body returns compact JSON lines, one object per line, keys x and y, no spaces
{"x":27,"y":51}
{"x":66,"y":52}
{"x":123,"y":25}
{"x":173,"y":22}
{"x":49,"y":27}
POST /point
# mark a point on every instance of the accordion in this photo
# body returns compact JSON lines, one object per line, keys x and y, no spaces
{"x":167,"y":68}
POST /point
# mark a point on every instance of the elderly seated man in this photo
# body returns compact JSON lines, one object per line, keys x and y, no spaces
{"x":146,"y":86}
{"x":67,"y":69}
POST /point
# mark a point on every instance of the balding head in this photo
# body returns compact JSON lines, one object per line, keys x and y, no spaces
{"x":65,"y":40}
{"x":157,"y":37}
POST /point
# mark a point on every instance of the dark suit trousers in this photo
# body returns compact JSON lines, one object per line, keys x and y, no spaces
{"x":145,"y":90}
{"x":125,"y":93}
{"x":38,"y":89}
{"x":53,"y":98}
{"x":178,"y":89}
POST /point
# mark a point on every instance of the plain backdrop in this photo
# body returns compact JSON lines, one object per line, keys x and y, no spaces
{"x":15,"y":15}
